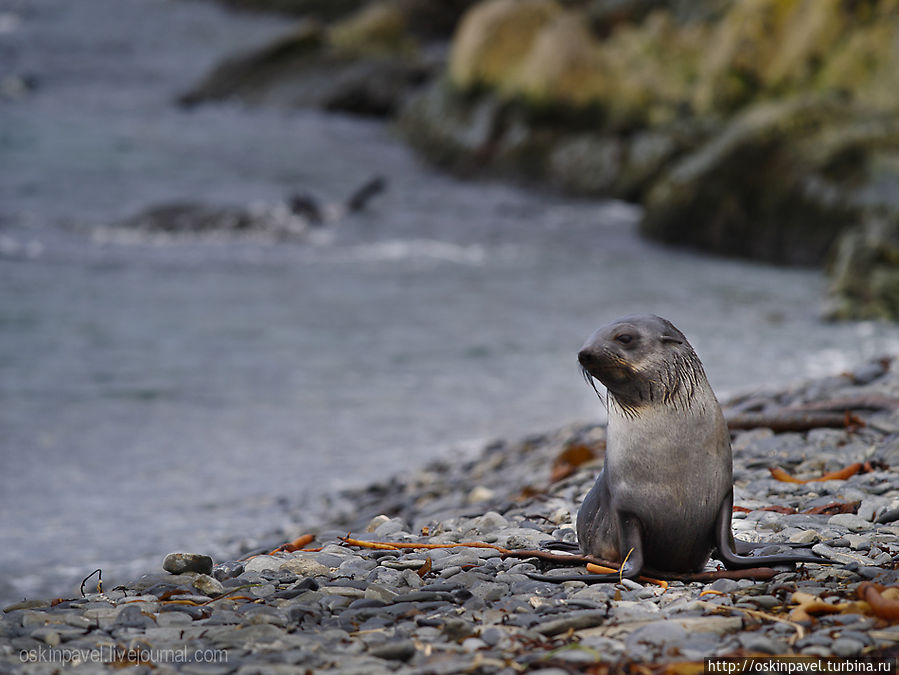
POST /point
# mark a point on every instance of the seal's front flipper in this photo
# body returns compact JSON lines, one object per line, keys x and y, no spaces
{"x":728,"y":550}
{"x":630,"y":550}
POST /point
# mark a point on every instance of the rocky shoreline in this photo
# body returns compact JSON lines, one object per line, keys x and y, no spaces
{"x":749,"y":128}
{"x":346,"y":606}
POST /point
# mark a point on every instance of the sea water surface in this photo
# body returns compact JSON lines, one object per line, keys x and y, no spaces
{"x":161,"y":394}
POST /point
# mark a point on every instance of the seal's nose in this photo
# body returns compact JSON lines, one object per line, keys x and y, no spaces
{"x":587,"y":357}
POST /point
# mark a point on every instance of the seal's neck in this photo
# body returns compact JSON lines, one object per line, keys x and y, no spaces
{"x":679,"y":384}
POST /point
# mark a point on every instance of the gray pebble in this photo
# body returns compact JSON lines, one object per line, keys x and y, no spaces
{"x":133,"y":616}
{"x":366,"y":612}
{"x":401,"y":650}
{"x":208,"y":585}
{"x":574,"y":620}
{"x":844,"y":646}
{"x":180,"y":563}
{"x":724,"y":585}
{"x":850,"y":521}
{"x":756,"y":642}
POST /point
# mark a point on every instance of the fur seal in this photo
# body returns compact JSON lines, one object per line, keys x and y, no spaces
{"x":664,"y":498}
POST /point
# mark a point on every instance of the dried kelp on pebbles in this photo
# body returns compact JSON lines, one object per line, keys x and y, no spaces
{"x":324,"y":601}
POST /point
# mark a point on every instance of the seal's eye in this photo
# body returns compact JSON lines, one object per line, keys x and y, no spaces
{"x":624,"y":338}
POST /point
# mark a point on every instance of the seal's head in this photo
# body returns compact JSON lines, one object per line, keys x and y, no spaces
{"x":642,"y":360}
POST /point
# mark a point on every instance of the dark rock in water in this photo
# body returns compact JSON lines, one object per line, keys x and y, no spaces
{"x":864,"y":270}
{"x":349,"y":70}
{"x":179,"y":563}
{"x":319,"y":9}
{"x":187,"y":217}
{"x":295,"y":218}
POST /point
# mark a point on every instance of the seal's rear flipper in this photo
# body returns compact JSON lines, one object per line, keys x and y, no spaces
{"x":728,"y":548}
{"x":743,"y":547}
{"x":556,"y":545}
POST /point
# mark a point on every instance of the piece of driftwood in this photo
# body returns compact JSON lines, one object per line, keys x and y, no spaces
{"x":786,"y":420}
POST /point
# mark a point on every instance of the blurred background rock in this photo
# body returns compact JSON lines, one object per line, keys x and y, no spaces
{"x":764,"y":129}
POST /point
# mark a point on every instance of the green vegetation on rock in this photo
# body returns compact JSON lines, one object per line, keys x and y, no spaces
{"x":754,"y":128}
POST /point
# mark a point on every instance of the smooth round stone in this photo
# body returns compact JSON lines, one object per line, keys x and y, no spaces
{"x":868,"y":508}
{"x":858,"y":542}
{"x":764,"y":601}
{"x":180,"y":563}
{"x":411,"y":579}
{"x":450,"y":571}
{"x":227,"y":570}
{"x":305,"y":567}
{"x":457,"y":629}
{"x":390,"y":528}
{"x":577,"y":655}
{"x":400,"y":650}
{"x":384,"y":576}
{"x":844,"y":646}
{"x":850,"y":521}
{"x":26,"y":604}
{"x":262,"y":562}
{"x":492,"y":635}
{"x":376,"y":522}
{"x":379,"y":592}
{"x":355,"y":566}
{"x":408,"y":564}
{"x":133,"y":617}
{"x":657,"y":633}
{"x":168,"y":619}
{"x":262,"y":591}
{"x":473,"y":644}
{"x":280,"y":576}
{"x":755,"y":642}
{"x":47,"y":635}
{"x":489,"y":522}
{"x":208,"y":585}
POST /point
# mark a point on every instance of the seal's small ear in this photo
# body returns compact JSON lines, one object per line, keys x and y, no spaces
{"x":671,"y":338}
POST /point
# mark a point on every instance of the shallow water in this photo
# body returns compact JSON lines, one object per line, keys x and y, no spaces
{"x":163,"y":394}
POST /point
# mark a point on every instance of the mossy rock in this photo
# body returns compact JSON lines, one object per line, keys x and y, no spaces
{"x":864,"y":270}
{"x":380,"y":29}
{"x":779,"y":182}
{"x":452,"y":130}
{"x":494,"y":37}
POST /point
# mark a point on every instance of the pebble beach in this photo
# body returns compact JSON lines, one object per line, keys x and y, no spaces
{"x":385,"y":579}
